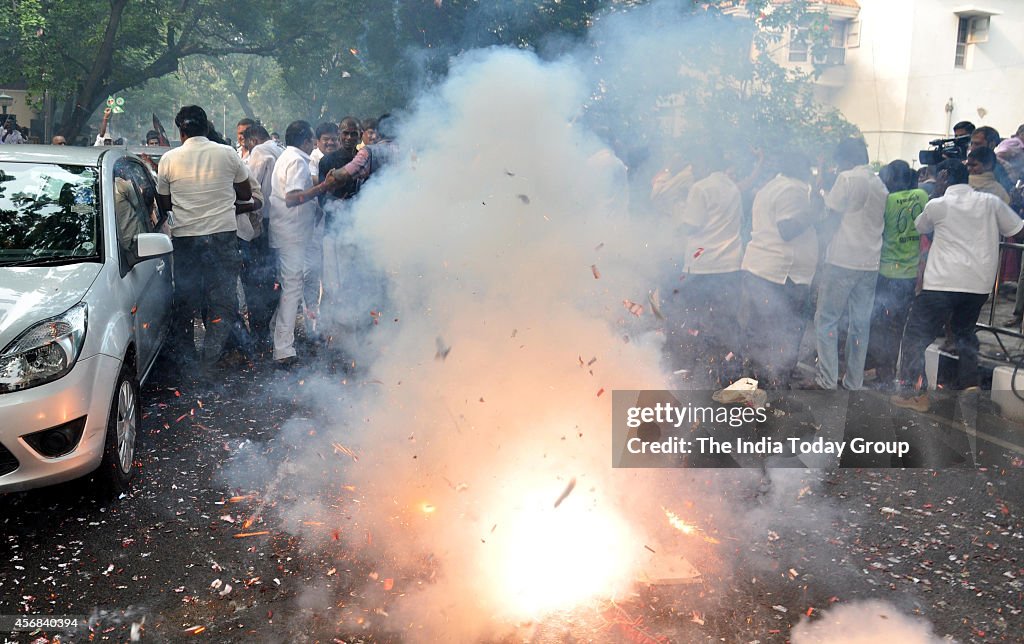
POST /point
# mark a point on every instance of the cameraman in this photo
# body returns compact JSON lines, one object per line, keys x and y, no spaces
{"x":988,"y":137}
{"x":961,"y":268}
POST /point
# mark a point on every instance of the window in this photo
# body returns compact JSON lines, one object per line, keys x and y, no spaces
{"x":799,"y":47}
{"x":834,"y":52}
{"x":853,"y":34}
{"x":135,"y":213}
{"x":971,"y":30}
{"x":48,"y":214}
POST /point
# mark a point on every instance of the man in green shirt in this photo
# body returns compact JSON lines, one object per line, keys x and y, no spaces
{"x":897,"y":270}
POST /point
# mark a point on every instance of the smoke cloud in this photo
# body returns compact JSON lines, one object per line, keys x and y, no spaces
{"x":492,"y":406}
{"x":864,"y":623}
{"x":468,"y":458}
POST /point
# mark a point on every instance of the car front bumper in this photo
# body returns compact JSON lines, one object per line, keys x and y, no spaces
{"x":87,"y":390}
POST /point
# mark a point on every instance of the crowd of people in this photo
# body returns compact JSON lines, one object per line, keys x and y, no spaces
{"x":264,"y":213}
{"x":891,"y":260}
{"x":880,"y":263}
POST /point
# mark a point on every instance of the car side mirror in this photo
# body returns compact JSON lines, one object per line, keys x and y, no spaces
{"x":153,"y":245}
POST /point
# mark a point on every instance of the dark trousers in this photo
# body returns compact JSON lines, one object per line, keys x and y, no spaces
{"x":893,"y":298}
{"x":708,"y":340}
{"x":928,"y":316}
{"x":205,"y":279}
{"x":775,"y":317}
{"x":259,"y":276}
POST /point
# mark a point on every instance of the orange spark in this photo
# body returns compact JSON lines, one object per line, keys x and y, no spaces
{"x":242,"y":535}
{"x":686,"y":528}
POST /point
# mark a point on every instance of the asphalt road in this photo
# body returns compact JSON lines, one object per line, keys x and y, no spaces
{"x":944,"y":546}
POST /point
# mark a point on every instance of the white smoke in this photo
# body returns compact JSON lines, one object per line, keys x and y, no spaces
{"x":508,"y":255}
{"x":483,"y":494}
{"x":864,"y":622}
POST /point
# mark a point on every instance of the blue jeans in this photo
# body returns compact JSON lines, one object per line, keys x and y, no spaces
{"x":842,"y":289}
{"x":892,"y":306}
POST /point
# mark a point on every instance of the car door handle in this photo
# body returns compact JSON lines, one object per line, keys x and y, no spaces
{"x":160,"y":266}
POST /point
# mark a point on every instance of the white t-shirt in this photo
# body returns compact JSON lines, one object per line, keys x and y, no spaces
{"x":12,"y":137}
{"x":200,"y":176}
{"x":314,"y":164}
{"x":714,"y":209}
{"x":964,"y":255}
{"x":291,"y":225}
{"x":245,"y":230}
{"x":261,"y":160}
{"x":859,"y":196}
{"x":668,"y":191}
{"x":768,"y":255}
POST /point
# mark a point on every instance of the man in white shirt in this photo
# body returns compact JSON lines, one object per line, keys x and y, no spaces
{"x":259,"y":266}
{"x":710,"y":222}
{"x":326,"y":142}
{"x":200,"y":182}
{"x":293,"y":210}
{"x":10,"y":134}
{"x":240,"y":128}
{"x":962,"y":265}
{"x":856,"y":202}
{"x":104,"y":137}
{"x":778,"y":267}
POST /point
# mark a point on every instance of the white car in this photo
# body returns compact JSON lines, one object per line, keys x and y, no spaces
{"x":85,"y":302}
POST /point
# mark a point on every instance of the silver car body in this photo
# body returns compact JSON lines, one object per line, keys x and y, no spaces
{"x":128,"y":316}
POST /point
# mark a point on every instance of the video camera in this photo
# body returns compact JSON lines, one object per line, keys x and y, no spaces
{"x":952,"y":148}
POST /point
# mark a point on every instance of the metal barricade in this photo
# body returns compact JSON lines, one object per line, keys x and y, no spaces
{"x":991,"y":327}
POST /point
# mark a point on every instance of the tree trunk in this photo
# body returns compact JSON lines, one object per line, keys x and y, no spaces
{"x":241,"y":92}
{"x":90,"y":94}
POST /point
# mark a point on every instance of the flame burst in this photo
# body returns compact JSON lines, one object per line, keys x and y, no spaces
{"x":687,"y":528}
{"x":546,"y":559}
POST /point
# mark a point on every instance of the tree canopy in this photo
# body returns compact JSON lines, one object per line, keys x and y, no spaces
{"x":317,"y":59}
{"x":83,"y":51}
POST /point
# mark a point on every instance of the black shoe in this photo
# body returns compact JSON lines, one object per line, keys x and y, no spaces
{"x":1014,"y":322}
{"x":287,"y":364}
{"x":808,"y":385}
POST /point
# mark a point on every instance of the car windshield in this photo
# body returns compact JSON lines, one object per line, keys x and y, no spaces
{"x":49,"y":214}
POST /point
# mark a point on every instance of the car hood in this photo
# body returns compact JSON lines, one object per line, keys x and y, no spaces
{"x":33,"y":293}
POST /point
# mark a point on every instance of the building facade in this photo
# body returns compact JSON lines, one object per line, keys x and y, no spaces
{"x":21,"y":109}
{"x":905,"y":71}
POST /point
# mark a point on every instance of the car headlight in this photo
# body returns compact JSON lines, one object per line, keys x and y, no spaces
{"x":45,"y":352}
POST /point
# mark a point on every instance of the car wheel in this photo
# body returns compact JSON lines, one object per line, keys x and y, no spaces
{"x":118,"y":466}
